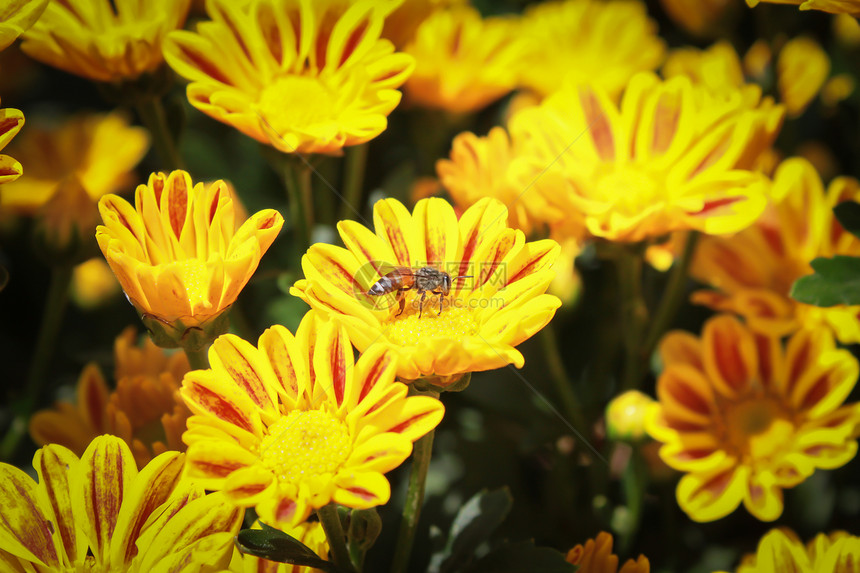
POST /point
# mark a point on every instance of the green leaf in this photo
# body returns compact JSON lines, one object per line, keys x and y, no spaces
{"x":472,"y":526}
{"x":522,"y":557}
{"x":848,"y":215}
{"x":836,"y":281}
{"x":275,"y":545}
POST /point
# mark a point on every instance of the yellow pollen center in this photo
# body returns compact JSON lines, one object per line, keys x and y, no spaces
{"x":628,"y":188}
{"x":758,"y":428}
{"x":293,"y":103}
{"x":305,"y":444}
{"x":452,"y":322}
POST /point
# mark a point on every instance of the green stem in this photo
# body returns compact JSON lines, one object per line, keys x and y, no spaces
{"x":673,"y":296}
{"x":198,"y":359}
{"x":297,"y":179}
{"x":356,"y":161}
{"x":151,"y":112}
{"x":414,"y":501}
{"x":52,"y":319}
{"x":330,"y":521}
{"x":563,"y":383}
{"x":634,"y":482}
{"x":634,"y":313}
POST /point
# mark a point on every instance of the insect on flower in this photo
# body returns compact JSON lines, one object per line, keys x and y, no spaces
{"x":423,"y":280}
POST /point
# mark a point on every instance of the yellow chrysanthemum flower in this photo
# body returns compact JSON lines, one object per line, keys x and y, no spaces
{"x":596,"y":557}
{"x":475,"y":326}
{"x":672,"y":156}
{"x":177,"y":253}
{"x":718,"y":67}
{"x":401,"y":24}
{"x":98,"y":151}
{"x":294,"y":424}
{"x":93,"y":284}
{"x":745,"y":417}
{"x":463,"y":62}
{"x":851,"y":7}
{"x":705,"y":18}
{"x":145,"y":409}
{"x":11,"y":122}
{"x":16,"y":17}
{"x":98,"y":513}
{"x":104,"y":40}
{"x":754,"y":270}
{"x":626,"y":415}
{"x":304,"y":77}
{"x":480,"y":167}
{"x":781,"y":550}
{"x":602,"y":43}
{"x":310,"y":533}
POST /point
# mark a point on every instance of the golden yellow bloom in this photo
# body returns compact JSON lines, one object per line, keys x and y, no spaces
{"x":704,"y":18}
{"x":11,"y":122}
{"x":483,"y":317}
{"x":626,"y":414}
{"x":754,"y":270}
{"x":16,"y":17}
{"x":104,"y":40}
{"x":718,"y":67}
{"x":480,"y":167}
{"x":578,"y":41}
{"x":293,"y":424}
{"x":100,"y":151}
{"x":847,"y":31}
{"x":93,"y":283}
{"x":463,"y":62}
{"x":596,"y":557}
{"x":177,"y":253}
{"x":145,"y":409}
{"x":781,"y":550}
{"x":314,"y":88}
{"x":672,"y":156}
{"x":401,"y":24}
{"x":851,"y":7}
{"x":802,"y":68}
{"x":310,"y":533}
{"x":98,"y":513}
{"x":746,"y":417}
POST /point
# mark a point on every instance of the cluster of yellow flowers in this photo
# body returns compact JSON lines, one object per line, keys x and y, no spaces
{"x":605,"y":146}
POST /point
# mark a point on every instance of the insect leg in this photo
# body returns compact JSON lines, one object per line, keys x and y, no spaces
{"x":401,"y":299}
{"x":421,"y":303}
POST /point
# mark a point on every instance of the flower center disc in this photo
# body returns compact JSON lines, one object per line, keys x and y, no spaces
{"x":297,"y":103}
{"x":628,"y":188}
{"x":759,"y":428}
{"x":452,"y":322}
{"x":305,"y":444}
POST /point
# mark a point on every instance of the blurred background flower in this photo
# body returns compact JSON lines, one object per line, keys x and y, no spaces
{"x":596,"y":556}
{"x":105,"y":41}
{"x":144,"y":408}
{"x":11,"y":121}
{"x":851,"y":7}
{"x":781,"y":550}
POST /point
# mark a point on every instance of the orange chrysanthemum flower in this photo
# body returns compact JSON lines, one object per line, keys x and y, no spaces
{"x":177,"y":253}
{"x":294,"y":424}
{"x":475,"y":326}
{"x":596,"y":557}
{"x":304,"y":77}
{"x":97,"y":152}
{"x":104,"y":40}
{"x":145,"y":409}
{"x":463,"y":62}
{"x":601,"y":43}
{"x":781,"y":550}
{"x":11,"y":122}
{"x":16,"y":17}
{"x":98,"y":513}
{"x":673,"y":156}
{"x":754,"y":270}
{"x":744,"y":417}
{"x":851,"y":7}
